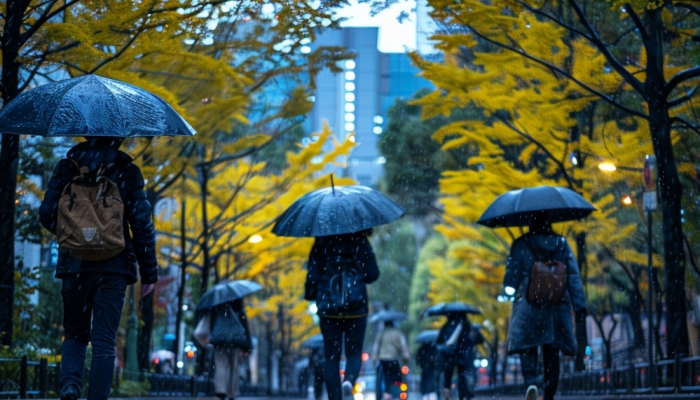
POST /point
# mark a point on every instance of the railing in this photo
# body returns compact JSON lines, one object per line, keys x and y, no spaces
{"x":681,"y":375}
{"x":22,"y":378}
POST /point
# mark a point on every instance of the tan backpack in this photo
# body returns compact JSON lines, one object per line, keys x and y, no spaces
{"x":91,"y":217}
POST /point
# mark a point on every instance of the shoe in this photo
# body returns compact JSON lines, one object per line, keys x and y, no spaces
{"x":347,"y":390}
{"x":531,"y":393}
{"x":70,"y":392}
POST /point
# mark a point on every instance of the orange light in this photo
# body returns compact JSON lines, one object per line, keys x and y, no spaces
{"x":403,"y":396}
{"x":156,"y":361}
{"x":626,"y":200}
{"x":404,"y":387}
{"x":365,"y":356}
{"x":190,"y":354}
{"x":404,"y":370}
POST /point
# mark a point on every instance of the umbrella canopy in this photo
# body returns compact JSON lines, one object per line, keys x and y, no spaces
{"x":225,"y":292}
{"x":315,"y":341}
{"x":387,"y":316}
{"x":515,"y":208}
{"x":91,"y":105}
{"x":426,"y":337}
{"x":335,"y":211}
{"x":456,"y":307}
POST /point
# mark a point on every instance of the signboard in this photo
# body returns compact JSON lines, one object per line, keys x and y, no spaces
{"x":651,"y":175}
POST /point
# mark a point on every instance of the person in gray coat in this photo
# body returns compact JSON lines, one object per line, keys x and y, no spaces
{"x":550,"y":326}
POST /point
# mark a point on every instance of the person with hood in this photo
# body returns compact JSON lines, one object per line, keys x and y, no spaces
{"x":390,"y":350}
{"x":93,"y":291}
{"x":457,"y":341}
{"x":547,"y":326}
{"x":339,"y":268}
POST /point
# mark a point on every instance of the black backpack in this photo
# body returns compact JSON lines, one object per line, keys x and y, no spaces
{"x":342,"y":291}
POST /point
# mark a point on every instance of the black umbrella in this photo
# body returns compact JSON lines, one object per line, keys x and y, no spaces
{"x":515,"y":208}
{"x":225,"y":292}
{"x":426,"y":337}
{"x":314,"y":342}
{"x":337,"y":210}
{"x":91,"y":105}
{"x":456,"y":307}
{"x":387,"y":316}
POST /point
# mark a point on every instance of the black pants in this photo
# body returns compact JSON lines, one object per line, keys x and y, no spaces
{"x":84,"y":296}
{"x":465,"y":379}
{"x":529,"y":361}
{"x":389,"y":371}
{"x":339,"y":333}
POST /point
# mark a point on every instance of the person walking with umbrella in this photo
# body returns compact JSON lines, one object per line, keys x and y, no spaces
{"x":428,"y":359}
{"x":456,"y":342}
{"x":224,"y":325}
{"x":96,"y":205}
{"x":389,"y":352}
{"x":316,"y":363}
{"x":541,"y":316}
{"x":341,"y":265}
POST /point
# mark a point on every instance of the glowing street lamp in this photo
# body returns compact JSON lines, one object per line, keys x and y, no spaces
{"x":626,"y":200}
{"x":607,"y":167}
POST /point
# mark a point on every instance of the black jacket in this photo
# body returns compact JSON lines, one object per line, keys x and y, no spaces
{"x":139,"y":232}
{"x":340,"y":246}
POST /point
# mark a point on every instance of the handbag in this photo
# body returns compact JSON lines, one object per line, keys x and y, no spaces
{"x":202,"y":333}
{"x":227,"y":330}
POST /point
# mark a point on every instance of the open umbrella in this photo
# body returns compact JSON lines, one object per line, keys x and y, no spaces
{"x":425,"y":337}
{"x":516,"y":207}
{"x":91,"y":105}
{"x":387,"y":316}
{"x":315,"y":341}
{"x":225,"y":292}
{"x":456,"y":307}
{"x":335,"y":211}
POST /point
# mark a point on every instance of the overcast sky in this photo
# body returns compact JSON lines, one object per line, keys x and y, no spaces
{"x":394,"y":37}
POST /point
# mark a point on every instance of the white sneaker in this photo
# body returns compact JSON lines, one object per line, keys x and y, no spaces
{"x":531,"y":393}
{"x":347,"y":390}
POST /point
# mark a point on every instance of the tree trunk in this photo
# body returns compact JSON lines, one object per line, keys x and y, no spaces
{"x":9,"y":160}
{"x":669,"y":185}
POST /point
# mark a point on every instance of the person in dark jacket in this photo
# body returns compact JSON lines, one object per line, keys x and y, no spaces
{"x":428,"y":360}
{"x":459,"y":355}
{"x":550,"y":326}
{"x":342,"y":329}
{"x":98,"y":288}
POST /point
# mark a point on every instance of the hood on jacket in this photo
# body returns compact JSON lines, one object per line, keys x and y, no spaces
{"x":87,"y":155}
{"x":547,"y":242}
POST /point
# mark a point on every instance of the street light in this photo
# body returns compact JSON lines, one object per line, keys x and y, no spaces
{"x":626,"y":200}
{"x":606,"y":166}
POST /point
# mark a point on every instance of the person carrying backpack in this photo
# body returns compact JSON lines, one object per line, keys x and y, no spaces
{"x":545,"y":324}
{"x":97,"y":207}
{"x":339,"y":268}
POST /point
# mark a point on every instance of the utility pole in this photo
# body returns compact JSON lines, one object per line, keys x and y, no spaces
{"x":181,"y":289}
{"x":650,"y":205}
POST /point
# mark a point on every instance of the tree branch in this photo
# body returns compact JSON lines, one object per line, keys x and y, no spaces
{"x":688,"y":125}
{"x":538,"y":11}
{"x":44,"y":18}
{"x":683,"y":99}
{"x":681,"y":77}
{"x":614,"y":62}
{"x":692,"y":8}
{"x":118,"y":53}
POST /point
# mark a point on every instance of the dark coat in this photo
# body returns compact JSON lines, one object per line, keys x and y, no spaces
{"x":468,"y":339}
{"x":532,"y":325}
{"x":348,"y":246}
{"x":238,"y":309}
{"x":140,"y":248}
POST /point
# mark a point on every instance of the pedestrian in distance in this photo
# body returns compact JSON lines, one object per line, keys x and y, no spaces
{"x":225,"y":327}
{"x":317,"y":362}
{"x":390,"y":352}
{"x":339,"y":268}
{"x":96,"y":262}
{"x":456,"y":342}
{"x":428,"y":359}
{"x":535,"y":324}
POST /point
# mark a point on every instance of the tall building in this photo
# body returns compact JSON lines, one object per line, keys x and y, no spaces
{"x":357,"y":99}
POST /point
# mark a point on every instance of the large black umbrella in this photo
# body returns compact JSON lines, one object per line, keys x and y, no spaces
{"x":314,"y":342}
{"x":385,"y":315}
{"x":337,"y":210}
{"x":456,"y":307}
{"x":91,"y":105}
{"x":225,"y":292}
{"x":426,"y":337}
{"x":515,"y":208}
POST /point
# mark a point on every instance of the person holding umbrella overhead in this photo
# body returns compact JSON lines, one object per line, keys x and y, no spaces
{"x":341,"y":264}
{"x":456,"y":343}
{"x":541,"y":315}
{"x":427,"y":358}
{"x":224,"y":325}
{"x":97,"y":207}
{"x":389,"y":351}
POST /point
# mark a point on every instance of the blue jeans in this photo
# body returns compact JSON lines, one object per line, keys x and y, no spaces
{"x":92,"y":308}
{"x":333,"y":330}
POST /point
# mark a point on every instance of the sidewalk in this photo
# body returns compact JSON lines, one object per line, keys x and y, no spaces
{"x":604,"y":397}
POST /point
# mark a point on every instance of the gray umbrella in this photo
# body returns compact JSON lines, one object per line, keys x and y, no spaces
{"x":335,"y":211}
{"x":387,"y":316}
{"x":315,"y":341}
{"x":225,"y":292}
{"x":515,"y":208}
{"x":91,"y":105}
{"x":429,"y":336}
{"x":456,"y":307}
